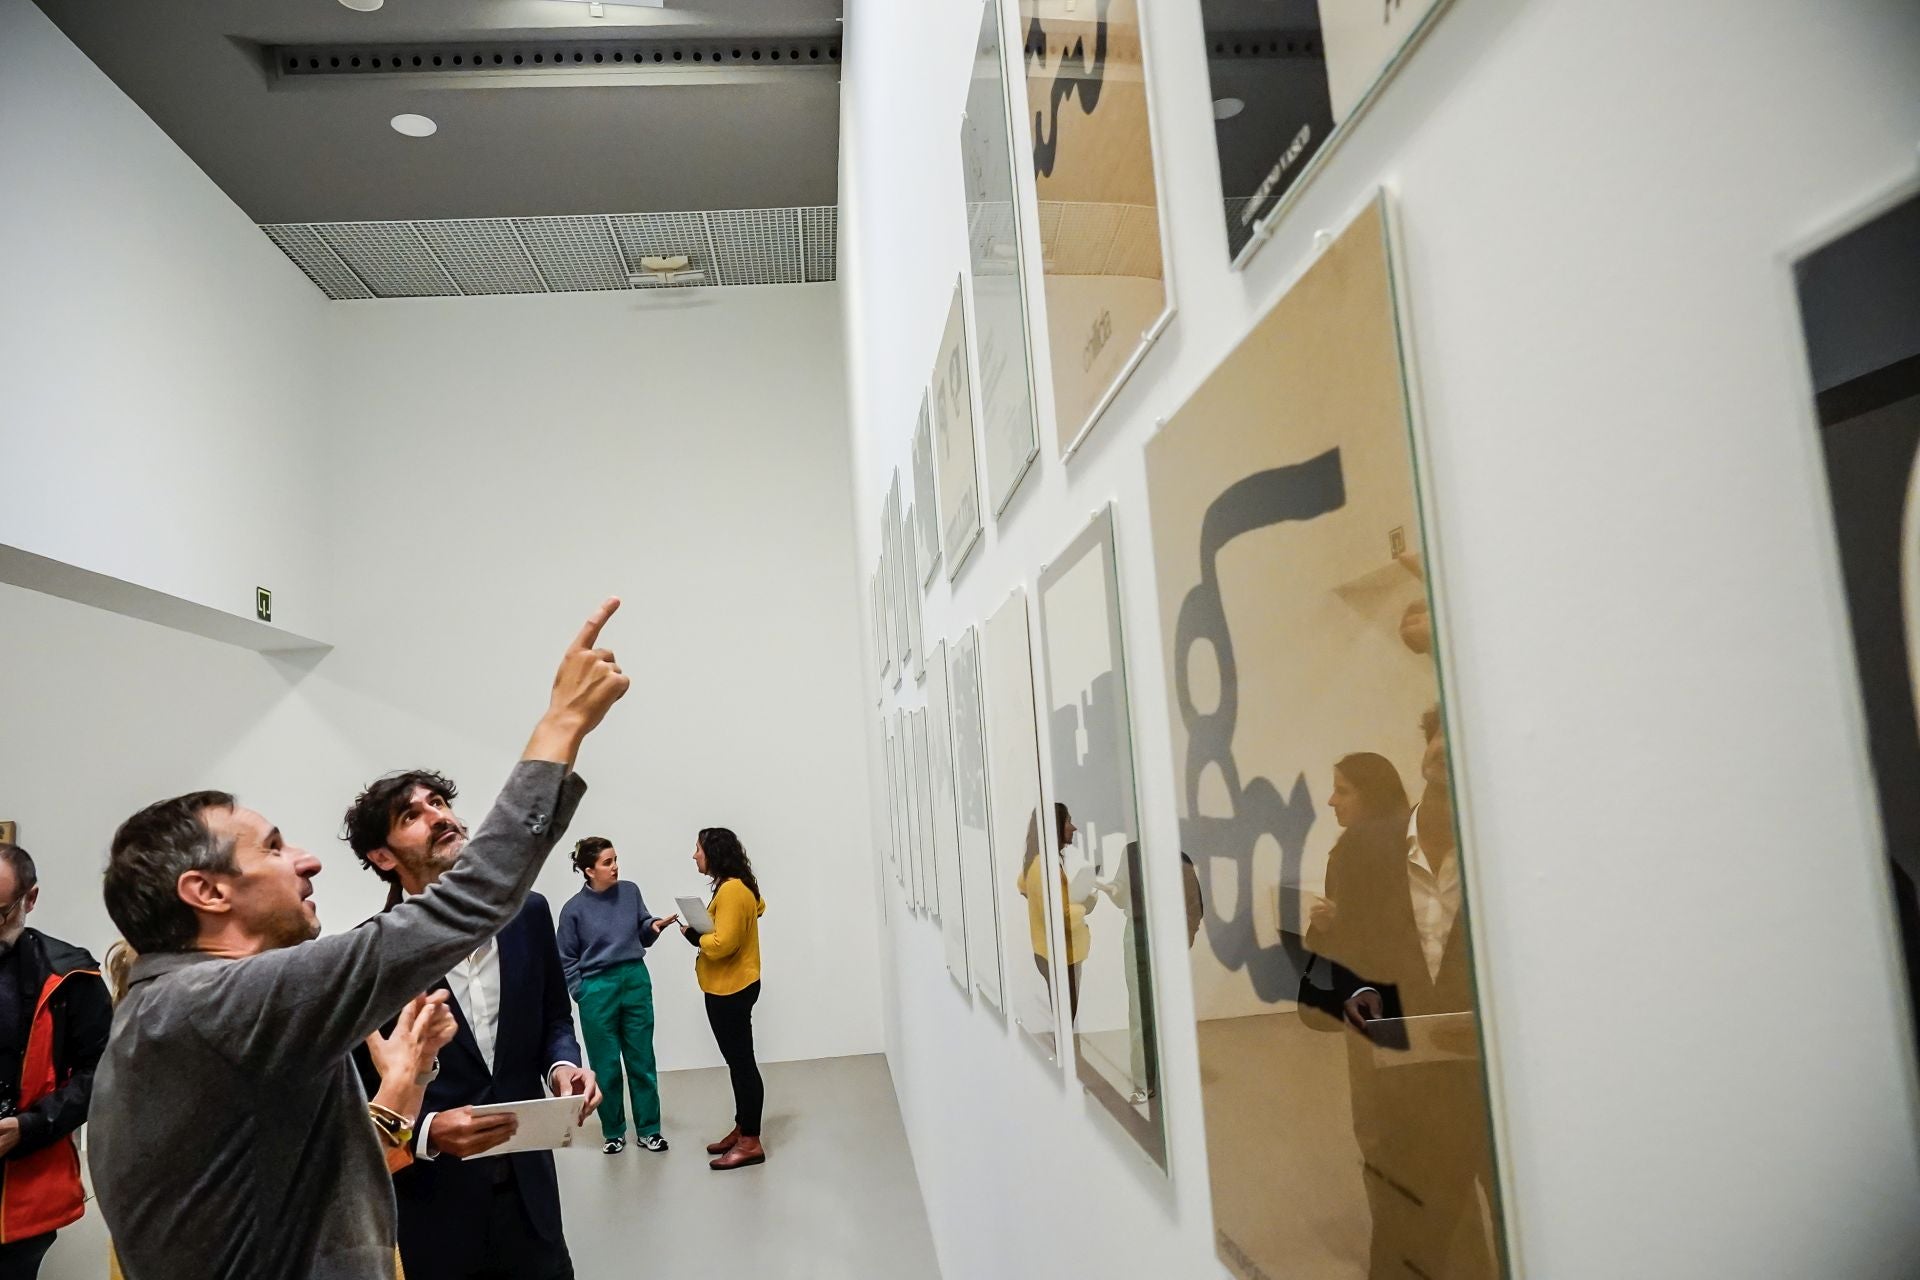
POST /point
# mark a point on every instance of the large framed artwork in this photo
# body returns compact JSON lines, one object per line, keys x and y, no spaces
{"x":1009,"y":420}
{"x":1107,"y":977}
{"x":925,"y":506}
{"x":954,"y":454}
{"x":1026,"y":852}
{"x":923,"y":809}
{"x":1860,"y":309}
{"x":946,"y":818}
{"x":1107,"y":296}
{"x":882,"y":639}
{"x":1286,"y":78}
{"x":1325,"y":873}
{"x":976,"y":839}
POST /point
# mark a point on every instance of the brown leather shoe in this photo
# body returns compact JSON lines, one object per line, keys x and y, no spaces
{"x":725,"y":1144}
{"x":747,"y":1151}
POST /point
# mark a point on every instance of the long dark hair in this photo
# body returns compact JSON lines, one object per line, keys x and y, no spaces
{"x":727,"y":858}
{"x":1377,"y":782}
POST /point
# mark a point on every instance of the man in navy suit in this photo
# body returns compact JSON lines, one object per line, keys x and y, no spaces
{"x":463,"y":1217}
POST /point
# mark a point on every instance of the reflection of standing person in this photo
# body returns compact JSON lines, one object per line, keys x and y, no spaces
{"x":1400,"y":952}
{"x":1366,"y":788}
{"x":605,"y":930}
{"x":1033,"y":889}
{"x":729,"y":973}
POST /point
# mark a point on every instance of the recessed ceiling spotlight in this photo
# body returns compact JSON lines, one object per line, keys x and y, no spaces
{"x":363,"y":6}
{"x":1223,"y":108}
{"x":414,"y":126}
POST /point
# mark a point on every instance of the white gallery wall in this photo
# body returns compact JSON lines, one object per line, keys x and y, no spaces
{"x":1694,"y":1003}
{"x":440,"y":489}
{"x":157,"y":391}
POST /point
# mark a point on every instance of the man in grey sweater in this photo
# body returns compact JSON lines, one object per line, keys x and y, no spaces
{"x":230,"y":1138}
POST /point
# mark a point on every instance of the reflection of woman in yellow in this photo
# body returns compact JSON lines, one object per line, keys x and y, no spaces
{"x":1033,"y":889}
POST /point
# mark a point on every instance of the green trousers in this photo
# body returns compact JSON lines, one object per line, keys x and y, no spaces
{"x":616,"y":1011}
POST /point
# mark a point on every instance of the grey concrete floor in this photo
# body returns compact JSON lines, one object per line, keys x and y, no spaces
{"x":836,"y":1200}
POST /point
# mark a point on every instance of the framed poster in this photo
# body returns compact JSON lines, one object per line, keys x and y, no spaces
{"x":1286,"y":78}
{"x":1009,"y":417}
{"x":946,"y":817}
{"x":877,"y":618}
{"x":897,"y":574}
{"x":927,"y":519}
{"x":896,"y":808}
{"x":923,"y":810}
{"x":976,"y":839}
{"x":1025,"y":847}
{"x":893,"y":819}
{"x":1107,"y":976}
{"x":916,"y":835}
{"x":953,"y":456}
{"x":1102,"y":247}
{"x":1310,"y":740}
{"x":910,"y":557}
{"x":1860,"y":308}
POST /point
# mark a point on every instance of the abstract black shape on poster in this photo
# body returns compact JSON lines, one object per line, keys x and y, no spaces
{"x":1296,"y":493}
{"x":1076,"y":78}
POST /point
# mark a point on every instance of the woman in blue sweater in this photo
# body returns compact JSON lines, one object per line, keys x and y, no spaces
{"x":605,"y":930}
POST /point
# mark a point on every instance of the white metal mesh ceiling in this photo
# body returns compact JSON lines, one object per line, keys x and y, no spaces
{"x":468,"y":256}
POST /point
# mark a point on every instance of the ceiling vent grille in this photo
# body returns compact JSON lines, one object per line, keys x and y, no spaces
{"x":552,"y":57}
{"x":473,"y":256}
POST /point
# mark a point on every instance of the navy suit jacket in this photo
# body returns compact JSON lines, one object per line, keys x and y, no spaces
{"x":442,"y":1199}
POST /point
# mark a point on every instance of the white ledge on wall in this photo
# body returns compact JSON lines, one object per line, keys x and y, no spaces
{"x":83,"y":586}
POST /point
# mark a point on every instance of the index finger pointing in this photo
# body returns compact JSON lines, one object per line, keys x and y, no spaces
{"x":589,"y":636}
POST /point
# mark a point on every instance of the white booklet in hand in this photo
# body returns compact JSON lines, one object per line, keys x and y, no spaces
{"x":545,"y":1123}
{"x":693,"y":914}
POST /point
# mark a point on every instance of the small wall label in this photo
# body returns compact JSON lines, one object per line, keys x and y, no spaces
{"x":263,"y":604}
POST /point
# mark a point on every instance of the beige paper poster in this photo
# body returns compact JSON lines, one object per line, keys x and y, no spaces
{"x":953,"y":442}
{"x":1099,"y":209}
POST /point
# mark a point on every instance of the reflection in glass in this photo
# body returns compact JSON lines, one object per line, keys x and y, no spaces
{"x":1025,"y":868}
{"x":1105,"y":298}
{"x":1286,"y":74}
{"x":1348,"y":1132}
{"x":1858,"y":305}
{"x":1007,"y":427}
{"x":979,"y":901}
{"x":1091,"y":751}
{"x":946,"y":818}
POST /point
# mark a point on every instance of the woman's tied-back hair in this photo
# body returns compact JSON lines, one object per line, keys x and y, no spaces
{"x":727,"y":858}
{"x":587,"y":852}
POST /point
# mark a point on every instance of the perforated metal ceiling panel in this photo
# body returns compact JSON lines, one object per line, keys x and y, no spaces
{"x":471,"y":256}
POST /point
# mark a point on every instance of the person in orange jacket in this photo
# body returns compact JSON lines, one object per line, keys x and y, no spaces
{"x":54,"y":1019}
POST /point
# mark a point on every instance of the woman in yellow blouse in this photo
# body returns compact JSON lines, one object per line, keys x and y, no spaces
{"x":1033,"y":889}
{"x":729,"y":971}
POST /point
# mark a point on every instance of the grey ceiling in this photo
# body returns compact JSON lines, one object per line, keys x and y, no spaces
{"x":583,"y":140}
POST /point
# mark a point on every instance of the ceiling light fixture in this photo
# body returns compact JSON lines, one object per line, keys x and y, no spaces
{"x":1227,"y":108}
{"x":414,"y":126}
{"x":363,"y":6}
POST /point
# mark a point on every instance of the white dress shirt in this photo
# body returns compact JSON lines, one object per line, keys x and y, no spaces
{"x":1436,"y":897}
{"x":475,"y":984}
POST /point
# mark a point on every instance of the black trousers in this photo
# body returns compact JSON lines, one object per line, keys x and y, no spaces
{"x":731,"y":1018}
{"x":21,"y":1259}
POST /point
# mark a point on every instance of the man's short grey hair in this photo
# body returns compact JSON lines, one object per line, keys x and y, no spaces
{"x":25,"y":876}
{"x":150,"y":852}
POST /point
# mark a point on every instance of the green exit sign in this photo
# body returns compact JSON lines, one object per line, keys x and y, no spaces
{"x":263,"y":604}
